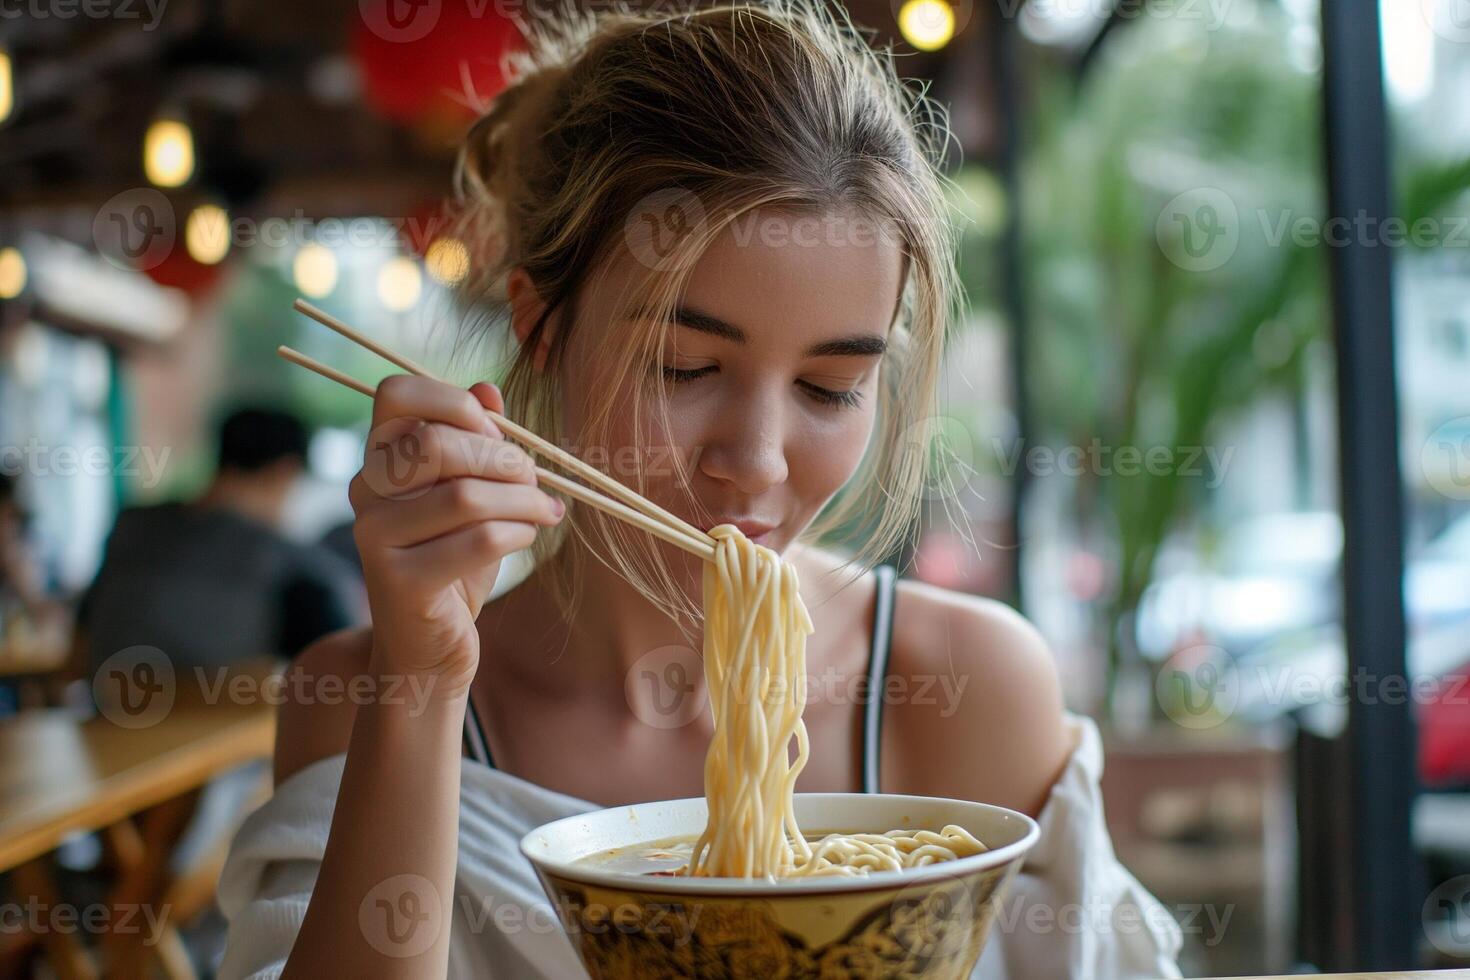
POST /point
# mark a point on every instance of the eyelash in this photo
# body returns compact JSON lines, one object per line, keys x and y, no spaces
{"x":838,"y":399}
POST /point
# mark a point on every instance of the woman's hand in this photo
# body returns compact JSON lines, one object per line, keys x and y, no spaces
{"x":441,"y":499}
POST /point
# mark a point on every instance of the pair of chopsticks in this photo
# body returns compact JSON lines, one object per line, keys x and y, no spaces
{"x":634,"y":509}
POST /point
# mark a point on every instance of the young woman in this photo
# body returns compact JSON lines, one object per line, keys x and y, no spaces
{"x":721,"y":245}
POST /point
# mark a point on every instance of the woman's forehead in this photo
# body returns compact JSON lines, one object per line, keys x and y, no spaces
{"x":780,"y":277}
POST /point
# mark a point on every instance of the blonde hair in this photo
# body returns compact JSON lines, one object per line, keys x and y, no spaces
{"x":783,"y":105}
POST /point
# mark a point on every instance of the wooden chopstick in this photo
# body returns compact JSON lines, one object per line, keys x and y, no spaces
{"x":522,"y":435}
{"x":556,"y":481}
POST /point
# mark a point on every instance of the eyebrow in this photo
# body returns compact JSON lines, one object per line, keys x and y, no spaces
{"x":867,"y":345}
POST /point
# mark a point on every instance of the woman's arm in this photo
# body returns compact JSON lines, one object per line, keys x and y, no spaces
{"x":440,"y":501}
{"x":382,"y":902}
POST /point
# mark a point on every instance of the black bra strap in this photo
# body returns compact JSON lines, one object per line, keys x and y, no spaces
{"x":477,"y":746}
{"x":877,"y":676}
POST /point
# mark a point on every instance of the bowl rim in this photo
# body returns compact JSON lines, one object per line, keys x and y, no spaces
{"x":767,"y":887}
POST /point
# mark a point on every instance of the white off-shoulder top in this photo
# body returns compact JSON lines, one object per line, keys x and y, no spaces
{"x":1073,"y":911}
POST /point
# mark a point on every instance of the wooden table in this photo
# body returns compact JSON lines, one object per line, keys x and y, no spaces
{"x":59,"y":776}
{"x":1411,"y":975}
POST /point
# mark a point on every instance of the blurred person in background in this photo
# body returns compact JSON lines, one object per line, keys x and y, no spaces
{"x":33,"y":625}
{"x":214,"y":581}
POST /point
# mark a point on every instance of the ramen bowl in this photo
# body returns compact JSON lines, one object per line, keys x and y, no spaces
{"x":628,"y":924}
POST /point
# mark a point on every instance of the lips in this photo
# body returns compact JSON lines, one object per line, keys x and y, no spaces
{"x":752,"y":529}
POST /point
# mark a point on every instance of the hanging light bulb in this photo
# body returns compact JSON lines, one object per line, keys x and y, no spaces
{"x":7,"y":86}
{"x":926,"y":24}
{"x":12,"y":273}
{"x":168,"y":153}
{"x":315,"y":270}
{"x":448,"y":261}
{"x":207,"y":234}
{"x":399,"y":283}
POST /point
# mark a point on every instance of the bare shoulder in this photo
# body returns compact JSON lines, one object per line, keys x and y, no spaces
{"x":316,"y":714}
{"x":973,"y":704}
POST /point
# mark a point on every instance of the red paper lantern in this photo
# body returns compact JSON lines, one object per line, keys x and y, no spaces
{"x":431,"y":59}
{"x":181,"y":271}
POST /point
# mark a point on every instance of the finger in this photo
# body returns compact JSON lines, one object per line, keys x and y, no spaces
{"x":449,"y":506}
{"x":409,"y":464}
{"x":489,"y":396}
{"x":409,"y":396}
{"x":467,"y":551}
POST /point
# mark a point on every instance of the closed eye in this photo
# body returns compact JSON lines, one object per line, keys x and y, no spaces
{"x":826,"y":396}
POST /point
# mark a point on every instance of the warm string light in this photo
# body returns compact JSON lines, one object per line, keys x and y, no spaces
{"x":927,"y":25}
{"x":315,"y":270}
{"x":448,"y":261}
{"x":12,"y":273}
{"x":207,"y":234}
{"x":7,"y":86}
{"x":168,"y":153}
{"x":399,"y":283}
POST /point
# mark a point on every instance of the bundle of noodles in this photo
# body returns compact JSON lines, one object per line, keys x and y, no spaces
{"x":755,"y":633}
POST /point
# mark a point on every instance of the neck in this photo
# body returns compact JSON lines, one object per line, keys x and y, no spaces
{"x":613,"y":629}
{"x":261,"y":504}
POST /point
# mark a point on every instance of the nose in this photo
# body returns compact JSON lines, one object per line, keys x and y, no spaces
{"x":747,"y":446}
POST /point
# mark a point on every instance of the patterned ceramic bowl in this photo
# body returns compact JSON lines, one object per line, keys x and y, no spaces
{"x":926,"y":922}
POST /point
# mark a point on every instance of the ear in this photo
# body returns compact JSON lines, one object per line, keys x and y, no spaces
{"x":526,"y":307}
